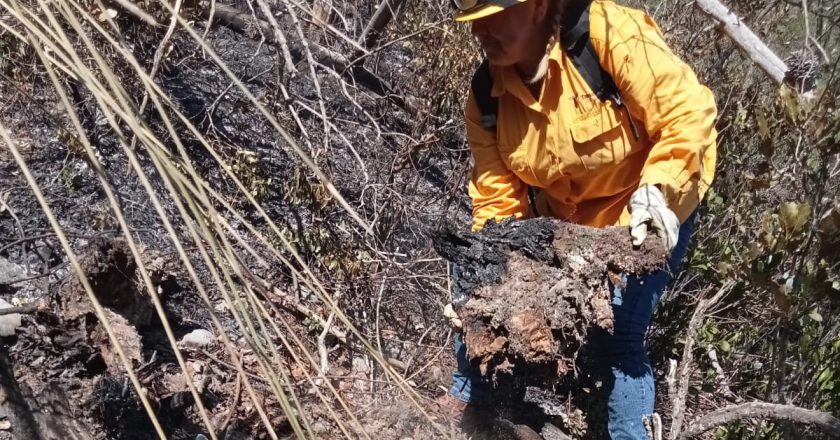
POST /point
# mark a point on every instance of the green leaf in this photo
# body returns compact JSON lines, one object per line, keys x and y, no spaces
{"x":724,"y":346}
{"x":815,"y":315}
{"x":825,"y":378}
{"x":794,"y":216}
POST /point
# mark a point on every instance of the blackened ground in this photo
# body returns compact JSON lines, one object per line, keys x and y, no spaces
{"x":403,"y":181}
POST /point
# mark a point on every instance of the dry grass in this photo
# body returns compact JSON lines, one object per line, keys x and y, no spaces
{"x":74,"y":40}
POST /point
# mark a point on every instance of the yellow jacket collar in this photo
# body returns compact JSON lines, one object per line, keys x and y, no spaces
{"x":507,"y":80}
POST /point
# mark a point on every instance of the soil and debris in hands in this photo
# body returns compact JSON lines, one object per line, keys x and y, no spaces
{"x":529,"y":292}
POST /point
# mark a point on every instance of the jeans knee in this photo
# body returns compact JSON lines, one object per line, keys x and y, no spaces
{"x":467,"y":383}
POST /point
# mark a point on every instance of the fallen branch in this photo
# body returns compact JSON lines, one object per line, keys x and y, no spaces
{"x":24,"y":310}
{"x":678,"y":404}
{"x":745,"y":39}
{"x":827,"y":423}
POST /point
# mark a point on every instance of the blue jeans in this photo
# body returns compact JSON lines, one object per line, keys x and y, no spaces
{"x":630,"y":384}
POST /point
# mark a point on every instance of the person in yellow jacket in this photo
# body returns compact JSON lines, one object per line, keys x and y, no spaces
{"x":643,"y":160}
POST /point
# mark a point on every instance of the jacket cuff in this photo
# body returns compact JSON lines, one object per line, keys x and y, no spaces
{"x":682,"y":197}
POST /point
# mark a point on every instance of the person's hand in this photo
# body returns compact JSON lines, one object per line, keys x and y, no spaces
{"x":649,"y":211}
{"x":454,"y":320}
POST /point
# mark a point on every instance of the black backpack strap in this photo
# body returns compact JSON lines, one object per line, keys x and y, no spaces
{"x":482,"y":88}
{"x":578,"y":46}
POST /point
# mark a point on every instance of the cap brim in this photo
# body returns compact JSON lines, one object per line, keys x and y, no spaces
{"x":479,"y":12}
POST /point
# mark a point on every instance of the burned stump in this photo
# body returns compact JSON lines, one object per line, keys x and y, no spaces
{"x":529,"y":292}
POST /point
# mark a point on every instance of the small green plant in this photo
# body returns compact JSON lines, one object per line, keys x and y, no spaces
{"x":73,"y":144}
{"x":298,"y":190}
{"x":70,"y":179}
{"x":313,"y":325}
{"x":245,"y":165}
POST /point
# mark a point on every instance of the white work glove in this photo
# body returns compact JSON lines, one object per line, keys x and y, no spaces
{"x":648,"y":210}
{"x":450,"y":313}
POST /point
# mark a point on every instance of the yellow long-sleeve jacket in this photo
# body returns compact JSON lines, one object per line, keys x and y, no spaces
{"x":582,"y":153}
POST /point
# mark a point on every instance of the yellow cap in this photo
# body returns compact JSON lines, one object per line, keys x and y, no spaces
{"x":485,"y":8}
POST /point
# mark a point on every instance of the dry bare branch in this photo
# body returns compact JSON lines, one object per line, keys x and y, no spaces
{"x":383,"y":15}
{"x":279,"y":37}
{"x":243,"y":22}
{"x":744,"y":38}
{"x":827,"y":423}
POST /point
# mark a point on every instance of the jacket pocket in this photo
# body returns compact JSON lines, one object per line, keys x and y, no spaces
{"x":599,"y":139}
{"x":599,"y":119}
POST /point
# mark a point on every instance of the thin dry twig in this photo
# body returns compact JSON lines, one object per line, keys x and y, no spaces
{"x":136,"y":11}
{"x":322,"y":350}
{"x":34,"y":277}
{"x":383,"y":15}
{"x":164,"y":43}
{"x":233,"y":404}
{"x":671,"y":380}
{"x":289,"y":304}
{"x":279,"y":38}
{"x":723,"y":382}
{"x":22,"y":239}
{"x":678,"y":405}
{"x":378,"y":303}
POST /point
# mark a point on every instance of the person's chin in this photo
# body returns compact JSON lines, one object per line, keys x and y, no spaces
{"x":498,"y":58}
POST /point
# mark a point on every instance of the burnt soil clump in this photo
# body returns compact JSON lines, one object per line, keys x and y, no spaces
{"x":530,"y":292}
